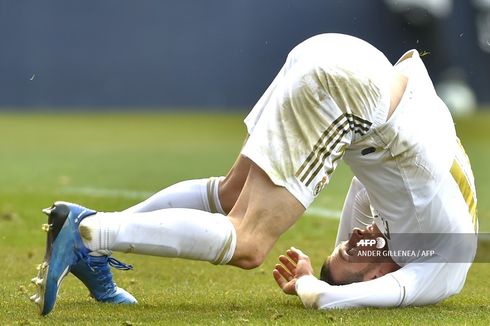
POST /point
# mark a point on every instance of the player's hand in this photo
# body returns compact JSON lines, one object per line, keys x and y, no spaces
{"x":294,"y":265}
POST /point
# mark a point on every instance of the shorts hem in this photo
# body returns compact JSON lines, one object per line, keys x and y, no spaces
{"x":300,"y":196}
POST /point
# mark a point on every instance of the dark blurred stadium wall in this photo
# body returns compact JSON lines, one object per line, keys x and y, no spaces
{"x":177,"y":53}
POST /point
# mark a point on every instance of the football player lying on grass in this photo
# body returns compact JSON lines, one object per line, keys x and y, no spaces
{"x":335,"y":97}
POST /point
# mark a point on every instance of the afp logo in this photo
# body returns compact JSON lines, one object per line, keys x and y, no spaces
{"x":380,"y":242}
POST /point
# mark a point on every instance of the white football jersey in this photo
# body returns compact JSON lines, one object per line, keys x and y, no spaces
{"x":331,"y":101}
{"x":419,"y":181}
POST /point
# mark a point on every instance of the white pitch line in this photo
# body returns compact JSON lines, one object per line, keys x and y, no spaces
{"x":131,"y":194}
{"x":323,"y":212}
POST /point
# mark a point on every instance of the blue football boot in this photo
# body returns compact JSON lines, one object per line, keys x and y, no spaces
{"x":95,"y":273}
{"x":65,"y":250}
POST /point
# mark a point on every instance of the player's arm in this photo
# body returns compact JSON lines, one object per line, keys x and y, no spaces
{"x":295,"y":276}
{"x":414,"y":284}
{"x":382,"y":292}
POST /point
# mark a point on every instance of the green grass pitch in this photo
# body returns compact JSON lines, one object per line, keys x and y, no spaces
{"x":111,"y":161}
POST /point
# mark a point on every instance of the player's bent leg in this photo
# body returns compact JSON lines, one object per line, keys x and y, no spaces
{"x":201,"y":194}
{"x":262,"y":213}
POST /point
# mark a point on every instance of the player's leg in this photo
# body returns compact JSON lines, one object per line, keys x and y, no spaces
{"x":214,"y":194}
{"x":78,"y":233}
{"x":171,"y":232}
{"x":200,"y":235}
{"x":186,"y":233}
{"x":261,"y":214}
{"x":199,"y":194}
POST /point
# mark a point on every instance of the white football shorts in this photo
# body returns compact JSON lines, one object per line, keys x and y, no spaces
{"x":331,"y":91}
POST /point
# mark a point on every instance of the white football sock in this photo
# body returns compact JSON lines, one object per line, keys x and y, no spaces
{"x":201,"y":194}
{"x":172,"y":232}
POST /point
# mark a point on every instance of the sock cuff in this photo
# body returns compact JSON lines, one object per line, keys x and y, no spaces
{"x":98,"y":233}
{"x":229,"y":246}
{"x":213,"y":195}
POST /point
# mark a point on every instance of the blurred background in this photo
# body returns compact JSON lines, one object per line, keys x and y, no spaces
{"x":218,"y":54}
{"x":105,"y":102}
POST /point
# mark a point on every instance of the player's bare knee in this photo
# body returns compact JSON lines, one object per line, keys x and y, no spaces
{"x":249,"y":260}
{"x":249,"y":253}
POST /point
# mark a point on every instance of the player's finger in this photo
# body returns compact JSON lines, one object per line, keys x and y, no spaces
{"x":279,"y":279}
{"x":285,"y":273}
{"x":299,"y":252}
{"x":288,"y":263}
{"x":293,"y":254}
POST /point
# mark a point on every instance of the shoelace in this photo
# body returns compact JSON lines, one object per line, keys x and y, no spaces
{"x":100,"y":265}
{"x":119,"y":264}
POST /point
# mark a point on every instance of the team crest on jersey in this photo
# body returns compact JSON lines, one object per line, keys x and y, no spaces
{"x":320,"y":185}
